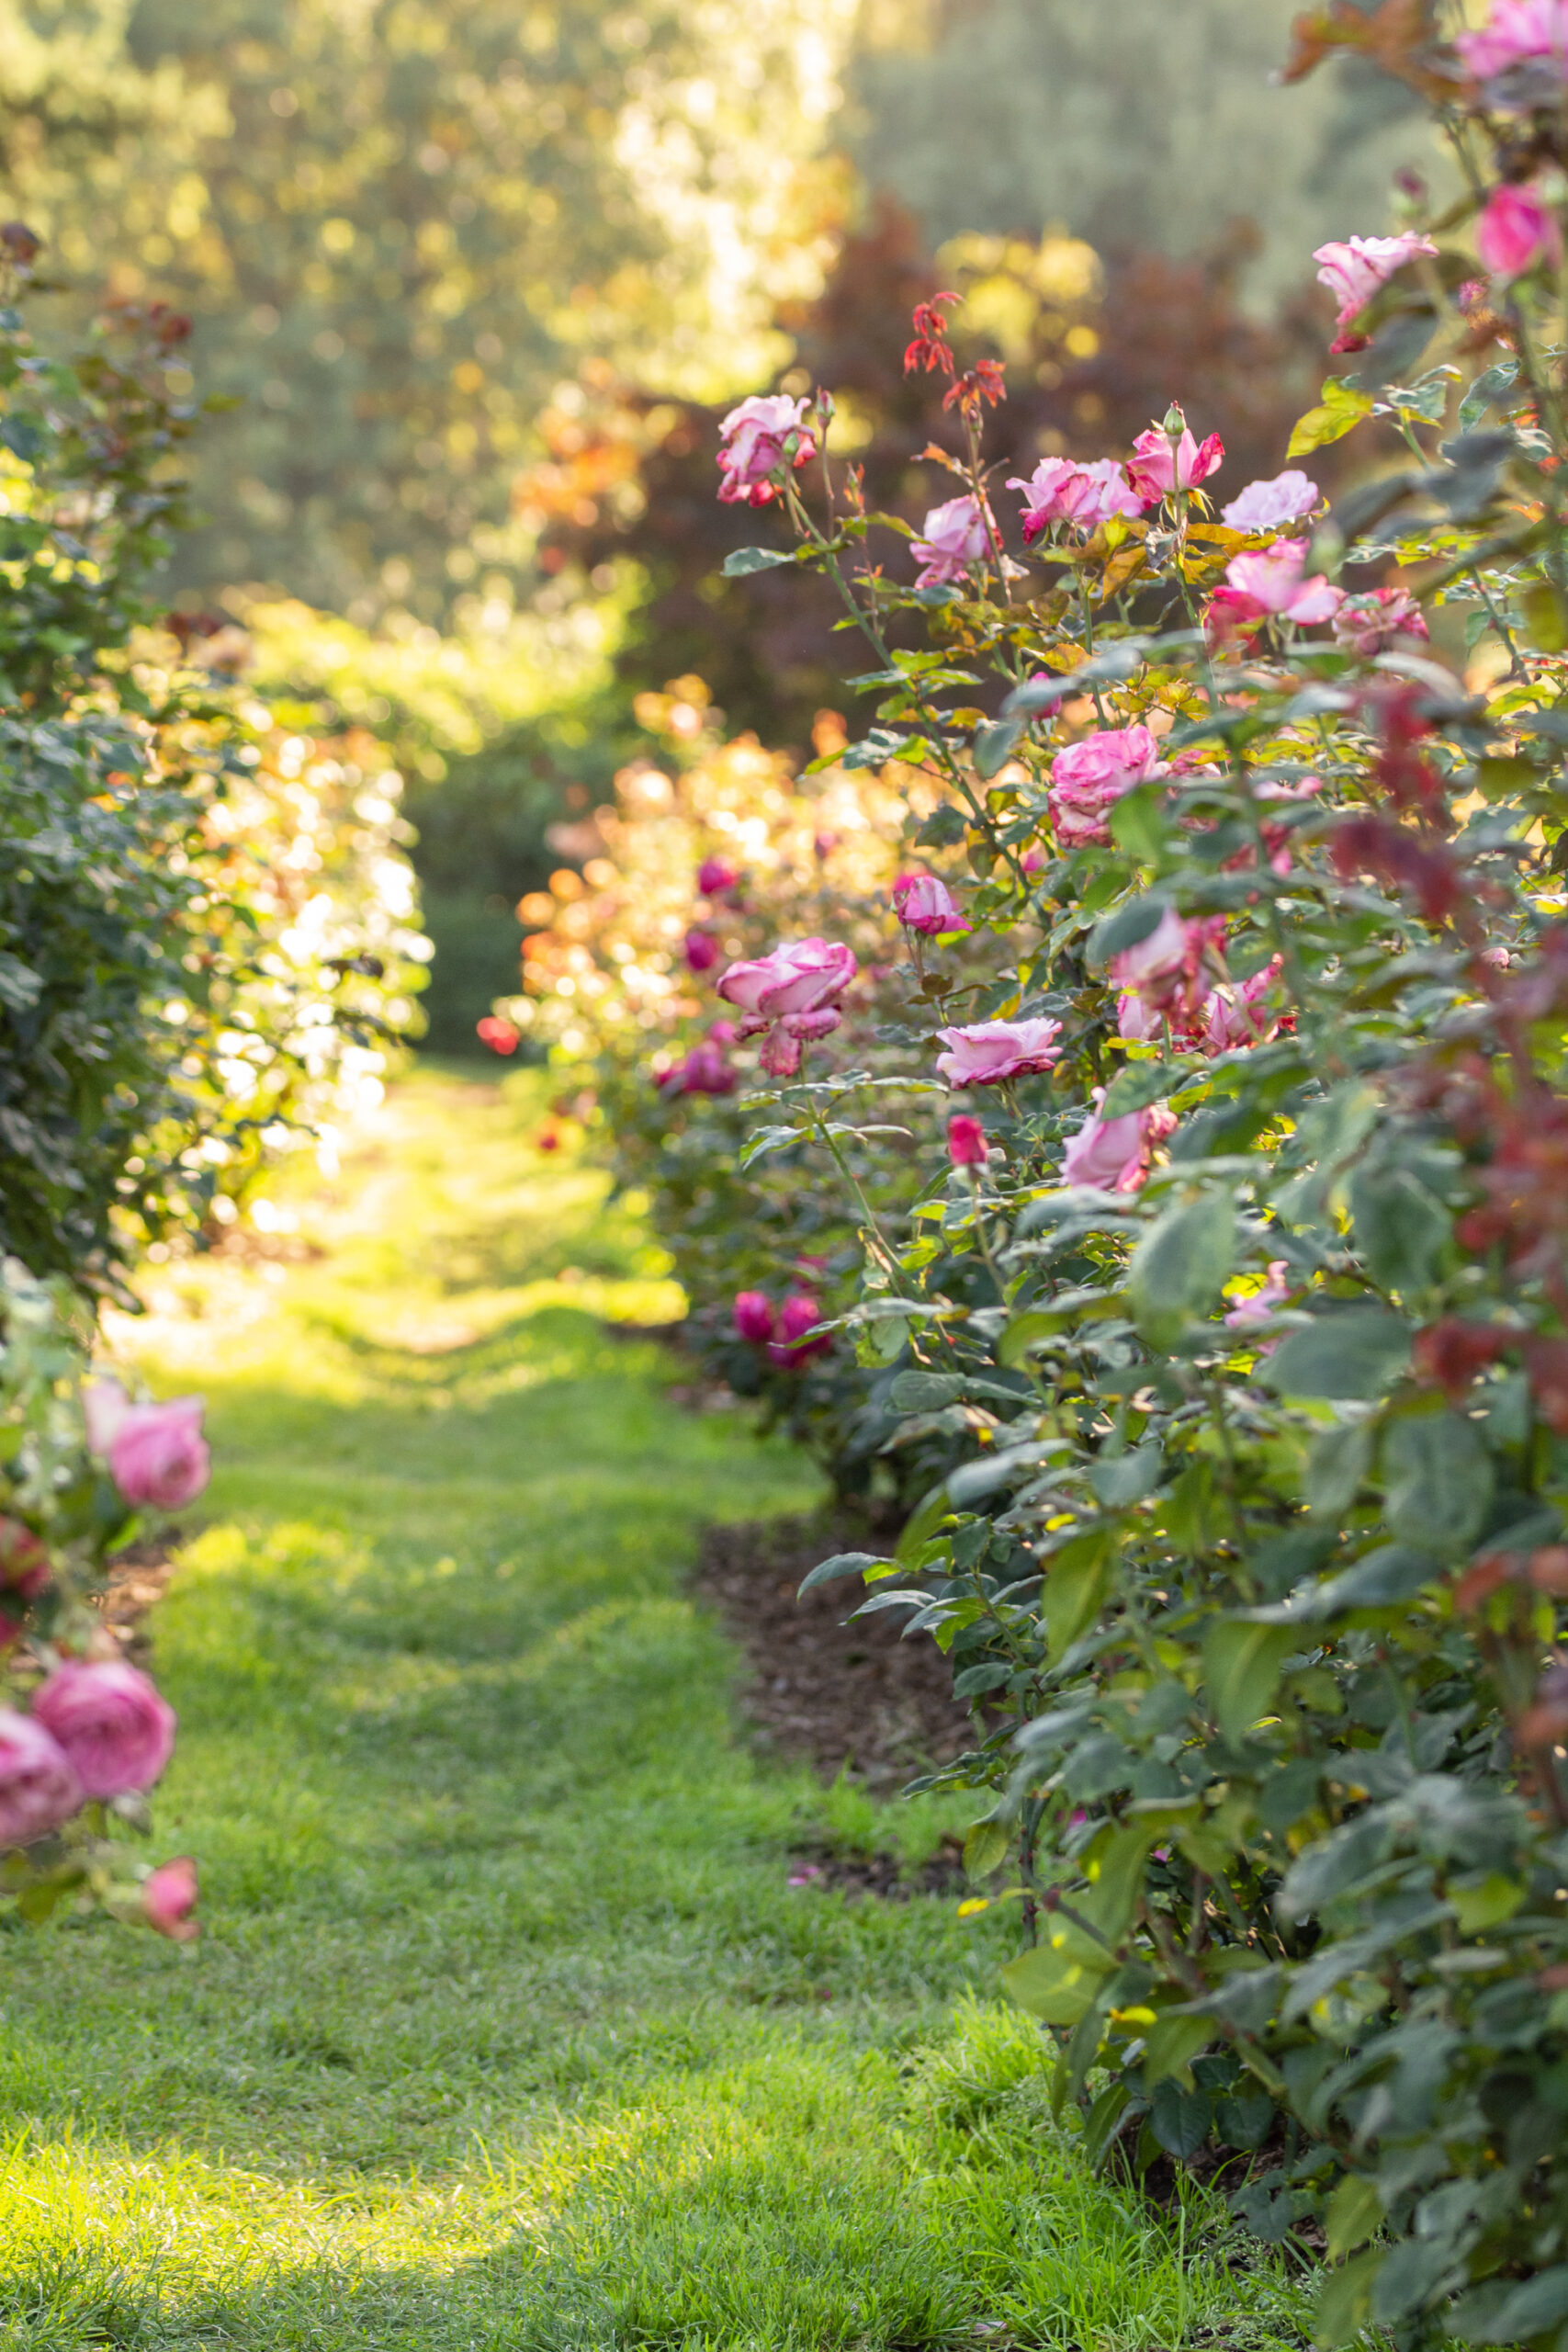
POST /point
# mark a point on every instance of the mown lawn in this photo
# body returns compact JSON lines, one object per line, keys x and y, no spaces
{"x":505,"y":2028}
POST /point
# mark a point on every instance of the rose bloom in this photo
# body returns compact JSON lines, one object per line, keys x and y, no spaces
{"x":796,"y":1316}
{"x":1155,"y":468}
{"x":1270,"y":505}
{"x":715,"y":876}
{"x":158,"y":1456}
{"x":751,"y":449}
{"x":800,"y":978}
{"x":498,"y":1035}
{"x":38,"y":1787}
{"x":923,"y":903}
{"x":1365,"y":625}
{"x":1113,"y":1155}
{"x":703,"y":950}
{"x":1273,"y":581}
{"x":1353,"y":272}
{"x":1172,"y":952}
{"x":117,"y":1730}
{"x":1090,"y":776}
{"x":956,"y":538}
{"x":1520,"y":32}
{"x":1516,"y":230}
{"x":753,"y":1313}
{"x":168,"y":1898}
{"x":703,"y":1071}
{"x":1259,"y":1305}
{"x":1235,"y":1016}
{"x":989,"y":1051}
{"x":967,"y":1146}
{"x":1059,"y":492}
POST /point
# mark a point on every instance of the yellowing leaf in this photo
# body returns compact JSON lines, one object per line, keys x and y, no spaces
{"x":1341,"y":410}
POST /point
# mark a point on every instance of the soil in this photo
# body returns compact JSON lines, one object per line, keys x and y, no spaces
{"x":137,"y":1578}
{"x":850,"y":1697}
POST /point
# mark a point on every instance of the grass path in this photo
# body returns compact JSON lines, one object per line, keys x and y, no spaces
{"x":505,"y":2029}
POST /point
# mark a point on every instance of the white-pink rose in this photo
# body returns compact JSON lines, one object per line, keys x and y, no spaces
{"x":39,"y":1789}
{"x":752,"y":441}
{"x":956,"y":538}
{"x":1271,"y":506}
{"x":1273,"y":582}
{"x":1060,"y":491}
{"x":1154,"y":961}
{"x":1520,"y":31}
{"x":989,"y":1051}
{"x":1091,"y":776}
{"x":115,"y":1729}
{"x":1115,"y":1155}
{"x":1354,"y":270}
{"x":800,"y":978}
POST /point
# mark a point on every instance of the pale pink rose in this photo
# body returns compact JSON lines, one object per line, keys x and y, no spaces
{"x":1059,"y":492}
{"x":795,"y":978}
{"x":752,"y":439}
{"x":117,"y":1730}
{"x":1516,"y":230}
{"x":1273,"y":582}
{"x":104,"y":1406}
{"x":158,"y":1456}
{"x":39,"y":1786}
{"x":168,"y":1898}
{"x":1135,"y":1020}
{"x":923,"y":903}
{"x":1271,"y":506}
{"x":1259,"y":1305}
{"x":1089,"y":777}
{"x":956,"y":538}
{"x":1354,"y":270}
{"x":1520,"y":32}
{"x":989,"y":1051}
{"x":1113,"y":1155}
{"x":1156,"y":466}
{"x":1153,"y":962}
{"x":1365,"y":625}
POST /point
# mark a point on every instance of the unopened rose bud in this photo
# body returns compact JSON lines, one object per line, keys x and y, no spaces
{"x":965,"y":1141}
{"x":1174,"y":424}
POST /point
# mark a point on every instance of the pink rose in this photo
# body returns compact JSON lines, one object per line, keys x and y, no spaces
{"x":112,"y":1725}
{"x":923,"y":903}
{"x":168,"y":1898}
{"x":1135,"y":1020}
{"x":1274,"y":584}
{"x":989,"y":1051}
{"x":1157,"y":467}
{"x":715,"y":876}
{"x":753,"y":1313}
{"x":752,"y":444}
{"x":1365,"y":625}
{"x":1113,"y":1155}
{"x":38,"y":1787}
{"x":1520,"y":30}
{"x":1259,"y":1305}
{"x":956,"y":538}
{"x":158,"y":1456}
{"x":1231,"y":1016}
{"x":798,"y":978}
{"x":1090,"y":776}
{"x":1154,"y":961}
{"x":967,"y":1146}
{"x":703,"y":1071}
{"x":1515,"y":230}
{"x":104,"y":1406}
{"x":703,"y":950}
{"x":1059,"y":492}
{"x":1354,"y":271}
{"x":1270,"y":505}
{"x":796,"y":1316}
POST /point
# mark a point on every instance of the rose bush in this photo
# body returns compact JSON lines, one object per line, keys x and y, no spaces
{"x":1228,"y":1321}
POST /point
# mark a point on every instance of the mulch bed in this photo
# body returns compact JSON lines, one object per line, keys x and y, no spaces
{"x":848,"y":1696}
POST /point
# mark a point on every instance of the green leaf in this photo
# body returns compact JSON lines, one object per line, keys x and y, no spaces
{"x":1242,"y":1663}
{"x":943,"y":828}
{"x":1179,"y":2119}
{"x":1180,"y":1265}
{"x":1356,"y":1354}
{"x":1400,"y":1227}
{"x":1541,"y":2302}
{"x":1336,"y":1469}
{"x":740,"y":562}
{"x":1140,"y":1083}
{"x":1345,"y":2300}
{"x":1055,"y":1983}
{"x":924,"y":1391}
{"x":1076,"y":1582}
{"x":1243,"y":2117}
{"x":1103,"y":2117}
{"x":1438,"y":1479}
{"x":1354,"y":2210}
{"x":880,"y":746}
{"x":842,"y":1564}
{"x":985,"y":1849}
{"x":1341,"y":409}
{"x":1122,"y":929}
{"x":1170,"y":2046}
{"x":995,"y":744}
{"x":1116,"y":1875}
{"x":923,"y":1524}
{"x":1485,"y":391}
{"x":1022,"y":1333}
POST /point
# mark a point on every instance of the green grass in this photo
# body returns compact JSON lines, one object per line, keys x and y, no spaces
{"x":505,"y":2028}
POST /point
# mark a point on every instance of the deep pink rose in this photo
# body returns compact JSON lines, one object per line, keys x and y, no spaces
{"x":1354,"y":271}
{"x":989,"y":1051}
{"x":703,"y":1071}
{"x":158,"y":1456}
{"x":1259,"y":1305}
{"x":1271,"y":506}
{"x":1060,"y":491}
{"x":753,"y":1313}
{"x":715,"y":876}
{"x":38,"y":1787}
{"x":168,"y":1898}
{"x":923,"y":903}
{"x":967,"y":1146}
{"x":1365,"y":625}
{"x":956,"y":538}
{"x":796,"y":1316}
{"x":798,"y":978}
{"x":1090,"y":776}
{"x":1520,"y":31}
{"x":1516,"y":230}
{"x":117,"y":1730}
{"x":703,"y":950}
{"x":1157,"y":467}
{"x":1113,"y":1155}
{"x":752,"y":441}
